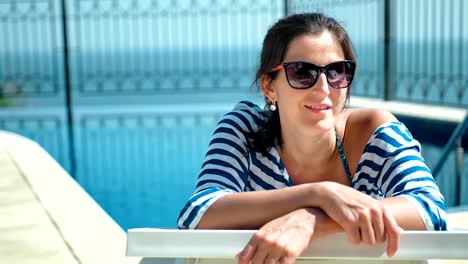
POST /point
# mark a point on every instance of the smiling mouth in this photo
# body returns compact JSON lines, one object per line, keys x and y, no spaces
{"x":318,"y":107}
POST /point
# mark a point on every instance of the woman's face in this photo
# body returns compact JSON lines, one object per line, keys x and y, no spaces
{"x":313,"y":110}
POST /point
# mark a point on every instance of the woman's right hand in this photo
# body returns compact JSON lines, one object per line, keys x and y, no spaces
{"x":363,"y":218}
{"x":283,"y":239}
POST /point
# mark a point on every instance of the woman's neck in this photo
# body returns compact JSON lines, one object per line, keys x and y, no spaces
{"x":300,"y":153}
{"x":314,"y":160}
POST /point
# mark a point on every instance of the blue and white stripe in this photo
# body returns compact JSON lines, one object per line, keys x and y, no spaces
{"x":391,"y":165}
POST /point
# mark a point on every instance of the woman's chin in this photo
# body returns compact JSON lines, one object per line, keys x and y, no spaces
{"x":321,"y":126}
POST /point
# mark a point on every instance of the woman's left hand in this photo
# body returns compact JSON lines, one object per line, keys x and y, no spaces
{"x":363,"y":218}
{"x":283,"y":239}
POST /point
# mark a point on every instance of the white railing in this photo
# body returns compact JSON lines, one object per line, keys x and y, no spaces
{"x":221,"y":246}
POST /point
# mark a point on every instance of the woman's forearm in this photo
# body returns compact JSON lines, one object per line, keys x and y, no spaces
{"x":405,"y":213}
{"x":251,"y":210}
{"x":324,"y":225}
{"x":403,"y":210}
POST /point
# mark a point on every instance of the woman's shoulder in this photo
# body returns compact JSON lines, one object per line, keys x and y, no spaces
{"x":249,"y":107}
{"x":365,"y":128}
{"x":245,"y":116}
{"x":367,"y":121}
{"x":376,"y":126}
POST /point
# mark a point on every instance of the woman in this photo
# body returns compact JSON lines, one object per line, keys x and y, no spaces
{"x":306,"y":166}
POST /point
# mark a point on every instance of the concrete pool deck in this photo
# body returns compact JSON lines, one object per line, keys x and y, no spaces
{"x":46,"y":217}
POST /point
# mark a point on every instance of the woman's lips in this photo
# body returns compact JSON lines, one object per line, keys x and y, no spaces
{"x":318,"y":108}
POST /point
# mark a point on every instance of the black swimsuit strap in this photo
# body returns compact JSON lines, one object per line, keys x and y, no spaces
{"x":343,"y":157}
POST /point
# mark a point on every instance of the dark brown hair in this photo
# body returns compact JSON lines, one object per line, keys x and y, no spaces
{"x":275,"y":45}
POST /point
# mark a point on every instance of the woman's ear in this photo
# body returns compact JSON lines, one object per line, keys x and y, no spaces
{"x":267,"y":88}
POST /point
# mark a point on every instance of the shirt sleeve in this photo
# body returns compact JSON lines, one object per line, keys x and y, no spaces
{"x":225,"y":168}
{"x":404,"y":173}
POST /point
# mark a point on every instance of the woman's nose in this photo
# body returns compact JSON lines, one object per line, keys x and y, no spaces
{"x":322,"y":84}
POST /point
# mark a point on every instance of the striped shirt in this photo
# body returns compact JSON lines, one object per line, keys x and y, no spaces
{"x":391,"y":165}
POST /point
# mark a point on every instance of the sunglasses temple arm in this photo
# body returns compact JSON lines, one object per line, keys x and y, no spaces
{"x":277,"y":68}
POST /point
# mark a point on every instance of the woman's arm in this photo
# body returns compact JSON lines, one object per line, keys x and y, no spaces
{"x":404,"y":212}
{"x":251,"y":210}
{"x":388,"y":163}
{"x":407,"y":183}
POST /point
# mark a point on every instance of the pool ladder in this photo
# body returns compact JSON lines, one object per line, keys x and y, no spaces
{"x":454,"y":142}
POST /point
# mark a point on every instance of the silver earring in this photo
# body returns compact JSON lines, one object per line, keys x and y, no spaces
{"x":273,"y":107}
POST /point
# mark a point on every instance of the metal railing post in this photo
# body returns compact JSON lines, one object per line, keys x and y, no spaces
{"x":387,"y":51}
{"x":68,"y":92}
{"x":459,"y":152}
{"x":456,"y":135}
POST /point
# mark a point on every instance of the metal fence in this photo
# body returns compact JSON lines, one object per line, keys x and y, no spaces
{"x":160,"y":47}
{"x":150,"y":47}
{"x":31,"y":50}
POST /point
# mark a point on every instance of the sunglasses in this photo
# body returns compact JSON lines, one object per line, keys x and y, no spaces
{"x":303,"y":75}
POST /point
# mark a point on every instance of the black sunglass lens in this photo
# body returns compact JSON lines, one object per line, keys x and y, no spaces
{"x":301,"y":75}
{"x":340,"y":74}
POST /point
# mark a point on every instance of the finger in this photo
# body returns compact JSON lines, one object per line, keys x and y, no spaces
{"x":271,"y":259}
{"x":378,"y":226}
{"x":367,"y":230}
{"x":261,"y":253}
{"x":273,"y":251}
{"x":287,"y":260}
{"x":352,"y":232}
{"x":267,"y":246}
{"x":246,"y":254}
{"x":291,"y":245}
{"x":393,"y":234}
{"x":354,"y":236}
